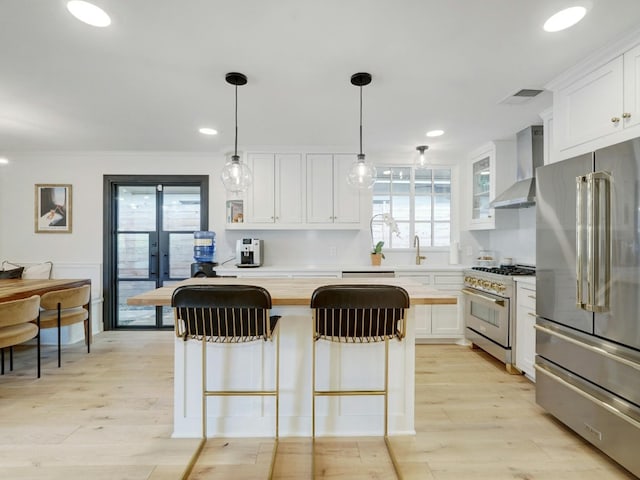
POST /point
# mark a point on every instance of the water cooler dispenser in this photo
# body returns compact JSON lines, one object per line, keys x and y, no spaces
{"x":204,"y":249}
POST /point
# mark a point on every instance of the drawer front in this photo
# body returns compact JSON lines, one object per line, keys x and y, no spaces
{"x":526,"y":297}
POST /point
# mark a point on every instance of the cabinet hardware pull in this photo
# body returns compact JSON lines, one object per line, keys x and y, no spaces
{"x":626,"y":115}
{"x":532,"y":296}
{"x":532,"y":314}
{"x":615,"y":119}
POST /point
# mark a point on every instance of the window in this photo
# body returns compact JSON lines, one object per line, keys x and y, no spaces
{"x":419,"y":200}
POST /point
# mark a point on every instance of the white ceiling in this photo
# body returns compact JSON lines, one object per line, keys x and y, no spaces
{"x":156,"y":74}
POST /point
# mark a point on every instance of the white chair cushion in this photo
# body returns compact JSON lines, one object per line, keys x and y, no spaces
{"x":40,"y":271}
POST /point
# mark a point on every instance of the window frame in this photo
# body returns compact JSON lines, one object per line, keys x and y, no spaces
{"x":388,"y":237}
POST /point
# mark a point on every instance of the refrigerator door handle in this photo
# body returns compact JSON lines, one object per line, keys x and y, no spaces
{"x":599,"y":241}
{"x":580,"y":181}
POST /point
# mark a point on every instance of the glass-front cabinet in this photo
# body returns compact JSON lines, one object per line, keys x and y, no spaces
{"x":491,"y":169}
{"x":482,"y":189}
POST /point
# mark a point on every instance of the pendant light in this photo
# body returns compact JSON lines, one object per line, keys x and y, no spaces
{"x":361,"y":174}
{"x":236,"y":177}
{"x":422,"y":161}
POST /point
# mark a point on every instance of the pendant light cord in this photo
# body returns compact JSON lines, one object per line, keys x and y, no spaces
{"x":361,"y":120}
{"x":235,"y":145}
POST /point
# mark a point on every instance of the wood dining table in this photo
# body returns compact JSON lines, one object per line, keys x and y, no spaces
{"x":14,"y":289}
{"x":243,"y":366}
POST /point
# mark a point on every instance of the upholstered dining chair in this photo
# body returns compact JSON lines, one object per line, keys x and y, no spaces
{"x":19,"y":324}
{"x":65,"y":307}
{"x":226,"y":314}
{"x":358,"y":314}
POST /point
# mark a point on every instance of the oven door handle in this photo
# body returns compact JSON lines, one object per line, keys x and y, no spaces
{"x":483,"y":297}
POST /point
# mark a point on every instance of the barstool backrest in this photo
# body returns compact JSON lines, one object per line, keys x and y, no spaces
{"x":222,"y":313}
{"x":359,"y":313}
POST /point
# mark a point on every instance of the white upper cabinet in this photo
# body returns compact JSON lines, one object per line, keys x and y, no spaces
{"x":598,"y":108}
{"x":277,"y":192}
{"x":329,"y":198}
{"x":631,"y":113}
{"x":482,"y":189}
{"x":591,"y":107}
{"x":491,"y":169}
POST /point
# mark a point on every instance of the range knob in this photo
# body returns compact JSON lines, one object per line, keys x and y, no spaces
{"x":486,"y":284}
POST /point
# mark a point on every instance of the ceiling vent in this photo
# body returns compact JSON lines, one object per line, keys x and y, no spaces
{"x":521,"y":96}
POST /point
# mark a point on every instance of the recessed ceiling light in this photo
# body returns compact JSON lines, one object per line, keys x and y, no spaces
{"x":4,"y":161}
{"x":564,"y":19}
{"x":88,"y":13}
{"x":435,"y":133}
{"x":208,"y":131}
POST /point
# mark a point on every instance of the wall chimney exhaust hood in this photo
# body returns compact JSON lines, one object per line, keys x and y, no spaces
{"x":522,"y":194}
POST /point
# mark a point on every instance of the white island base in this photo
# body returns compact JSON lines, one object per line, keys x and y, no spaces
{"x":252,"y":365}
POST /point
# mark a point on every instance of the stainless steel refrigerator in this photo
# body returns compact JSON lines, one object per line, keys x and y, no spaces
{"x":588,"y":297}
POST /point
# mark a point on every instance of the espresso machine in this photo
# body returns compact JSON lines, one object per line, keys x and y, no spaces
{"x":249,"y":252}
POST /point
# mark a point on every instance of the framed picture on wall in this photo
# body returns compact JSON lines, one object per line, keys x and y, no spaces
{"x":53,"y":208}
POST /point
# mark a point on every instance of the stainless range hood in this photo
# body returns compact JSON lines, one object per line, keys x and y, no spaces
{"x":529,"y":157}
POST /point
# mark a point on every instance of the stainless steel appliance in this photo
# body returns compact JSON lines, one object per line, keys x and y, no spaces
{"x":489,"y":309}
{"x":530,"y":146}
{"x":588,"y":297}
{"x":249,"y":252}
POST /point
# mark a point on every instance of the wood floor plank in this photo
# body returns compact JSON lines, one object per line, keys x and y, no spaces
{"x":108,"y":415}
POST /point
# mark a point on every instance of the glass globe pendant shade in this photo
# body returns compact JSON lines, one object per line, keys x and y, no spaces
{"x":236,"y":176}
{"x":361,"y":174}
{"x":422,"y":160}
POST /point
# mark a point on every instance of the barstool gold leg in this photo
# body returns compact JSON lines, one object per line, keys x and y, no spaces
{"x":387,"y":441}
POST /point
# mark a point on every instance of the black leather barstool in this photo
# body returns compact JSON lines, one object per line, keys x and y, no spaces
{"x":226,"y":314}
{"x":358,"y":314}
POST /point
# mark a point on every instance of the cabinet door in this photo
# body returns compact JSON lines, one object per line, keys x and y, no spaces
{"x":319,"y":188}
{"x":422,"y":318}
{"x":261,"y":195}
{"x":631,"y":114}
{"x":346,"y":199}
{"x":482,"y":190}
{"x":289,"y":188}
{"x":586,"y":110}
{"x":446,"y":320}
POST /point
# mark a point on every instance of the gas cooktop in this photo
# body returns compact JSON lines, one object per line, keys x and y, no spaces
{"x":511,"y":270}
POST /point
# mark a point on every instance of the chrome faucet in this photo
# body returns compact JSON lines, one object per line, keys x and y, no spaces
{"x":416,"y":243}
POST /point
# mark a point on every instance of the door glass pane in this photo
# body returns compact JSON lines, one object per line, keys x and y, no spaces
{"x":180,"y":255}
{"x":167,"y":312}
{"x":133,"y":255}
{"x":136,"y":208}
{"x":181,"y":208}
{"x":129,"y":315}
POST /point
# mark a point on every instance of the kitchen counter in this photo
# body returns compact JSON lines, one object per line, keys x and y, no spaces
{"x":309,"y":270}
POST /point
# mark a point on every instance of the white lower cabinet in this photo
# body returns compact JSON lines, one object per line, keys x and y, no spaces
{"x":439,"y":322}
{"x":525,"y":327}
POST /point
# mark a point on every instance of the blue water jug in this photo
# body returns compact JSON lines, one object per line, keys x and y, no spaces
{"x":204,"y":246}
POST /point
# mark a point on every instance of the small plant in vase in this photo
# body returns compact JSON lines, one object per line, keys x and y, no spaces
{"x":376,"y":254}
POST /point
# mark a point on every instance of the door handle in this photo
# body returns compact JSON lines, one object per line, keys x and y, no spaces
{"x":599,"y":249}
{"x":580,"y":180}
{"x":483,"y":297}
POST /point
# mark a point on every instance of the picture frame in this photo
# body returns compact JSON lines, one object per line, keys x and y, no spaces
{"x":53,"y":202}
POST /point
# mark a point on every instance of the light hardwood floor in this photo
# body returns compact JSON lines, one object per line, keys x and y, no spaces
{"x":107,"y":415}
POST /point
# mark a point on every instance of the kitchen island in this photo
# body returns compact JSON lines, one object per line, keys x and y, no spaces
{"x":251,"y":365}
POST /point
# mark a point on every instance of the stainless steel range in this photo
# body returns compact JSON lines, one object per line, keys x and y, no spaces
{"x":489,"y":309}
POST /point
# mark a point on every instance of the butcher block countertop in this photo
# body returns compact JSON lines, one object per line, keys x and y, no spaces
{"x":297,"y":291}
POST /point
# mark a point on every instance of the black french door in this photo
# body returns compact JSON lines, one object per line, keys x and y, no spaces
{"x":150,"y":220}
